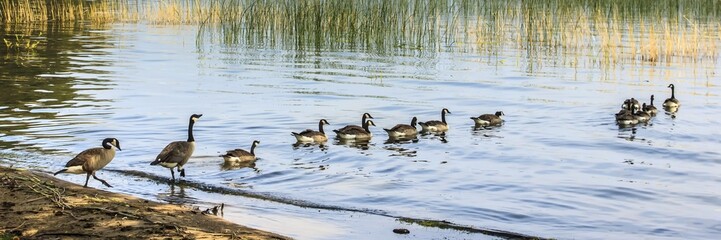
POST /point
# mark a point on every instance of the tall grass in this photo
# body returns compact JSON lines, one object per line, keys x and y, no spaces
{"x":608,"y":31}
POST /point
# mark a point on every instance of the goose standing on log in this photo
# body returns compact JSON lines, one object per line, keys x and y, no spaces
{"x":403,"y":130}
{"x":435,"y":125}
{"x":489,"y":119}
{"x":92,"y":160}
{"x":240,"y":155}
{"x":313,"y":136}
{"x":671,"y":104}
{"x":176,"y":154}
{"x":354,"y":133}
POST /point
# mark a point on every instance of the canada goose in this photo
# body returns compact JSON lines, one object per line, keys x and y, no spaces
{"x":642,"y":116}
{"x":363,"y":121}
{"x":92,"y":160}
{"x":355,"y":133}
{"x":312,"y":136}
{"x":435,"y":125}
{"x":240,"y":155}
{"x":403,"y":130}
{"x":671,"y":102}
{"x":626,"y":117}
{"x":489,"y":119}
{"x":650,"y":109}
{"x":633,"y":102}
{"x":176,"y":154}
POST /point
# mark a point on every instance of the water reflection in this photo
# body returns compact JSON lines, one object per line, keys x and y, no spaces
{"x":227,"y":165}
{"x":38,"y":85}
{"x":310,"y":145}
{"x":359,"y":144}
{"x":176,"y":195}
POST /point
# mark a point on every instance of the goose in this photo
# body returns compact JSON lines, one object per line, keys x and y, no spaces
{"x":671,"y":102}
{"x":489,"y":119}
{"x":355,"y":133}
{"x":240,"y":155}
{"x":176,"y":154}
{"x":92,"y":160}
{"x":313,"y":136}
{"x":435,"y":125}
{"x":363,"y":121}
{"x":626,"y":117}
{"x":642,"y":116}
{"x":650,"y":109}
{"x":633,"y":102}
{"x":403,"y":130}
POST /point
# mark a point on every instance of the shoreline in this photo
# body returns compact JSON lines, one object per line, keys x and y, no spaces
{"x":38,"y":205}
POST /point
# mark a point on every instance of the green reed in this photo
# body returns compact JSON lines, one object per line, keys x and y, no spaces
{"x":609,"y":31}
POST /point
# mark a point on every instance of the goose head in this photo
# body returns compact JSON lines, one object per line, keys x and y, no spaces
{"x":195,"y":117}
{"x":108,"y":143}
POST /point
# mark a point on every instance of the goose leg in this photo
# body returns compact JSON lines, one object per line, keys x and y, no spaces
{"x":172,"y":174}
{"x":101,"y":180}
{"x":182,"y":172}
{"x":86,"y":180}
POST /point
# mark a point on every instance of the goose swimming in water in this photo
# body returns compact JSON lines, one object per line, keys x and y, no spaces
{"x":489,"y":119}
{"x":403,"y":130}
{"x":354,"y":133}
{"x":240,"y":155}
{"x":313,"y":136}
{"x":435,"y":125}
{"x":672,"y":102}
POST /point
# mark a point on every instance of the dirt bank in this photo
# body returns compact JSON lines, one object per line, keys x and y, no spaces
{"x":38,"y":206}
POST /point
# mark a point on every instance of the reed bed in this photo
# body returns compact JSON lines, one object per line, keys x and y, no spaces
{"x":610,"y":32}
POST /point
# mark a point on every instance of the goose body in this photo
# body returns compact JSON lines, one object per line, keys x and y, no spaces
{"x":642,"y":116}
{"x":312,"y":136}
{"x":356,"y":133}
{"x":176,"y":154}
{"x":240,"y":155}
{"x":435,"y":125}
{"x":672,"y":102}
{"x":650,"y":109}
{"x":626,"y":117}
{"x":489,"y":119}
{"x":92,"y":160}
{"x":633,"y":103}
{"x":363,"y":121}
{"x":403,"y":130}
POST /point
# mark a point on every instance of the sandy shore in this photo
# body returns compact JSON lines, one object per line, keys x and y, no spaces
{"x":38,"y":206}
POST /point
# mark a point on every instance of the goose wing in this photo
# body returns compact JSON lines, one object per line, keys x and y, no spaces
{"x":174,"y":152}
{"x":237,"y":153}
{"x":84,"y":157}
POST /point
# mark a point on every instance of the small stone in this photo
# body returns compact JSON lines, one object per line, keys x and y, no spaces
{"x":401,"y":231}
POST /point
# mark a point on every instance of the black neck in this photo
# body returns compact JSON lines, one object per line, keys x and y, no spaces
{"x":673,"y":92}
{"x":363,"y":120}
{"x":106,"y":145}
{"x":190,"y":131}
{"x":413,"y":122}
{"x":652,"y":99}
{"x":320,"y":127}
{"x":252,"y":149}
{"x":365,"y":127}
{"x":443,"y":116}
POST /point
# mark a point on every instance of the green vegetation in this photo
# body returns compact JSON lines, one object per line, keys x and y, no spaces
{"x":610,"y":31}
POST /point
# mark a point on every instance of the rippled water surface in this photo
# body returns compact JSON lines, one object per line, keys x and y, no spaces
{"x":559,"y":167}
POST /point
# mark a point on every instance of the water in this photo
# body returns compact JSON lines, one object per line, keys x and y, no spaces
{"x":559,"y":167}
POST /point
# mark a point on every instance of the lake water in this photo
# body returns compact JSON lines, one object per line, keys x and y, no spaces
{"x":559,"y":167}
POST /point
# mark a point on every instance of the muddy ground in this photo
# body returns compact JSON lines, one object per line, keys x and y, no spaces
{"x":38,"y":206}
